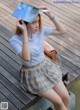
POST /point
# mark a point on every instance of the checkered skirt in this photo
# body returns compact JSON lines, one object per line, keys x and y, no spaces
{"x":39,"y":78}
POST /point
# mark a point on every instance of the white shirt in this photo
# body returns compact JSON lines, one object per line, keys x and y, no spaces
{"x":36,"y":44}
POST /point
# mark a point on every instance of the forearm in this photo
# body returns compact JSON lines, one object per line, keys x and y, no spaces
{"x":57,"y":23}
{"x":25,"y":46}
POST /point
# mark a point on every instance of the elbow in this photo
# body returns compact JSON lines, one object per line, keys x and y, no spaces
{"x":63,"y":31}
{"x":27,"y":59}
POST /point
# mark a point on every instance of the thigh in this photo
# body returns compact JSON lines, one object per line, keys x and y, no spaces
{"x":51,"y":95}
{"x":61,"y":90}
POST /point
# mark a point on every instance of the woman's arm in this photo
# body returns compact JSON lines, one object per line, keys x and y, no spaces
{"x":59,"y":27}
{"x":25,"y":47}
{"x":25,"y":53}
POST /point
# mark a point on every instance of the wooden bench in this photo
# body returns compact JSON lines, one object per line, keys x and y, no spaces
{"x":10,"y":88}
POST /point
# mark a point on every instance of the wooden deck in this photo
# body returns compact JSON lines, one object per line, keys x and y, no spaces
{"x":67,"y":45}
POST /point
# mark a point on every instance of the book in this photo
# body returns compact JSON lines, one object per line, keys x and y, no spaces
{"x":25,"y":12}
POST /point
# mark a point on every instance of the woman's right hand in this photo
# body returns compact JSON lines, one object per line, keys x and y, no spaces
{"x":21,"y":25}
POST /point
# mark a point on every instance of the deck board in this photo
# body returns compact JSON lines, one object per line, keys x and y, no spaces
{"x":67,"y":46}
{"x":9,"y":95}
{"x":14,"y":86}
{"x":4,"y":99}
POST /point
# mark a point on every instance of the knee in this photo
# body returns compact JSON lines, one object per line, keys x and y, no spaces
{"x":66,"y":97}
{"x":58,"y":102}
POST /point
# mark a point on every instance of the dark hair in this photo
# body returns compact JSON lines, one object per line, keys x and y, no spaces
{"x":18,"y":30}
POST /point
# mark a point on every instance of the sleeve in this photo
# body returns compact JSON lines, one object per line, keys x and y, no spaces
{"x":47,"y":31}
{"x":16,"y":46}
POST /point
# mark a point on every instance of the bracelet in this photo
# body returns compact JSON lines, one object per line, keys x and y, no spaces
{"x":52,"y":18}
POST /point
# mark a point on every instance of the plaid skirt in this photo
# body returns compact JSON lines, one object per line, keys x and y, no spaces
{"x":39,"y":78}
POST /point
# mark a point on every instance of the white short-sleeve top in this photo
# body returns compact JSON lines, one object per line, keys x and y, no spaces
{"x":36,"y":45}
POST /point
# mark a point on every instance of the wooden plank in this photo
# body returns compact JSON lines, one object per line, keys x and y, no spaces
{"x":78,"y":71}
{"x":4,"y":48}
{"x":5,"y":23}
{"x":2,"y":28}
{"x":73,"y":35}
{"x":58,"y":48}
{"x":69,"y":42}
{"x":77,"y":5}
{"x":5,"y":7}
{"x":7,"y":14}
{"x":62,"y":50}
{"x":67,"y":8}
{"x":69,"y":64}
{"x":16,"y":82}
{"x":71,"y":73}
{"x":12,"y":71}
{"x":9,"y":60}
{"x":71,"y":9}
{"x":4,"y":41}
{"x":71,"y":39}
{"x":7,"y":19}
{"x":4,"y":99}
{"x":11,"y":83}
{"x":11,"y":3}
{"x":76,"y":52}
{"x":31,"y":103}
{"x":11,"y":96}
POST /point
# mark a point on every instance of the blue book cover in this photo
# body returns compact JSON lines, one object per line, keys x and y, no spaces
{"x":25,"y":12}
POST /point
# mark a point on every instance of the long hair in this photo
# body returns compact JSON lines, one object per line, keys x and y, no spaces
{"x":19,"y":31}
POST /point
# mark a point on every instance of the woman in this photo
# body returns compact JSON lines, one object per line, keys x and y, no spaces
{"x":39,"y":75}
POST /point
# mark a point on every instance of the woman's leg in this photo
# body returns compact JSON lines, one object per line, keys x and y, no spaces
{"x":52,"y":96}
{"x":61,"y":90}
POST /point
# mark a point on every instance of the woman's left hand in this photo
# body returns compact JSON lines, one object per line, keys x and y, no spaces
{"x":46,"y":11}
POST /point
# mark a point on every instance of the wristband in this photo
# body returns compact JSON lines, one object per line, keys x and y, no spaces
{"x":52,"y":18}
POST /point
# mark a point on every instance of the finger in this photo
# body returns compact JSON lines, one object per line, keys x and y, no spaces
{"x":18,"y":24}
{"x":43,"y":7}
{"x":22,"y":22}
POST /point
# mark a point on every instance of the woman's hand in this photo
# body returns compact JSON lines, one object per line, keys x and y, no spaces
{"x":21,"y":25}
{"x":45,"y":10}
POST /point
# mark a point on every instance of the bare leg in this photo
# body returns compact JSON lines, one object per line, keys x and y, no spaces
{"x":61,"y":90}
{"x":52,"y":96}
